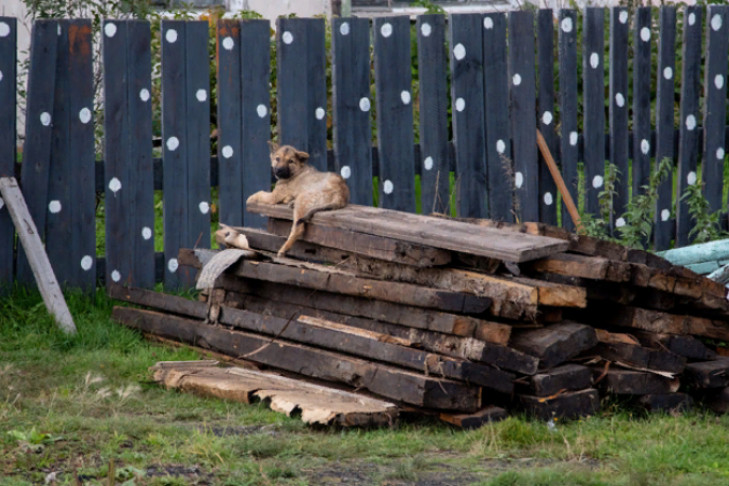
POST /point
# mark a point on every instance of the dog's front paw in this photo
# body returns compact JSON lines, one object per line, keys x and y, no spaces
{"x":281,"y":253}
{"x":257,"y":197}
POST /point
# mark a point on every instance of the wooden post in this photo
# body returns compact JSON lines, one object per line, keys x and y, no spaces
{"x":554,"y":170}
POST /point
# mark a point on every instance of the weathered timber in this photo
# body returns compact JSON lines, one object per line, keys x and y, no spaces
{"x":568,"y":377}
{"x":717,"y":400}
{"x":317,"y":404}
{"x":666,"y":402}
{"x":708,"y":374}
{"x":555,"y":294}
{"x":426,"y":230}
{"x":383,"y":380}
{"x":163,"y":302}
{"x":704,"y":252}
{"x":595,"y":268}
{"x":687,"y":346}
{"x":662,"y":322}
{"x":487,"y":415}
{"x":556,"y":343}
{"x":575,"y":404}
{"x":607,"y":337}
{"x":640,"y":357}
{"x":629,"y":382}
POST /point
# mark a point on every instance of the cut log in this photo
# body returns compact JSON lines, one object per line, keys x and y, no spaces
{"x":163,"y":302}
{"x":594,"y":268}
{"x":566,"y":405}
{"x":387,"y":381}
{"x":640,"y":357}
{"x":667,"y":402}
{"x":687,"y":346}
{"x":662,"y":322}
{"x":708,"y":374}
{"x":569,"y":377}
{"x":629,"y":382}
{"x":475,"y":420}
{"x":555,"y":344}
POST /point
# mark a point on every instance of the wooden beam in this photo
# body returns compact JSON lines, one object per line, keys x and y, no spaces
{"x":565,"y":405}
{"x":555,"y":344}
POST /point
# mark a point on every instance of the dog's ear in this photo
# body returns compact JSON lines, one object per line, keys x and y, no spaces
{"x":272,"y":146}
{"x":303,"y":156}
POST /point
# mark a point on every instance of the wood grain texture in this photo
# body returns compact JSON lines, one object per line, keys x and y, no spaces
{"x":593,"y":79}
{"x":568,"y":105}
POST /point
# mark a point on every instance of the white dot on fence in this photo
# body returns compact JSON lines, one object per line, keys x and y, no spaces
{"x":344,"y":28}
{"x":665,"y":214}
{"x":720,"y":153}
{"x":227,"y":151}
{"x":144,"y":94}
{"x":426,"y":29}
{"x":716,"y":22}
{"x":201,"y":95}
{"x":364,"y":104}
{"x":645,"y":34}
{"x":110,"y":29}
{"x":319,"y":113}
{"x":573,"y":139}
{"x":171,"y":36}
{"x":84,"y":115}
{"x":58,"y":30}
{"x":115,"y":185}
{"x":518,"y":180}
{"x":1,"y":75}
{"x":115,"y":275}
{"x":690,"y":122}
{"x":345,"y":172}
{"x":287,"y":37}
{"x":516,"y":79}
{"x":668,"y":72}
{"x":428,"y":163}
{"x":173,"y":143}
{"x":594,"y":60}
{"x":620,"y":100}
{"x":691,"y":178}
{"x":386,"y":29}
{"x":488,"y":23}
{"x":460,"y":104}
{"x":204,"y":207}
{"x":261,"y":110}
{"x":548,"y":199}
{"x":388,"y":187}
{"x":623,"y":17}
{"x":620,"y":222}
{"x":459,"y":52}
{"x":692,"y":18}
{"x":645,"y":146}
{"x":4,"y":29}
{"x":54,"y":206}
{"x":597,"y":181}
{"x":500,"y":146}
{"x":45,"y":118}
{"x":566,"y":24}
{"x":146,"y":232}
{"x":172,"y":265}
{"x":547,"y":117}
{"x":2,"y":203}
{"x":87,"y":262}
{"x":719,"y":81}
{"x":228,"y":43}
{"x":405,"y":97}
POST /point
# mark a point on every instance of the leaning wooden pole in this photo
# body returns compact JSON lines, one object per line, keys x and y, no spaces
{"x":559,"y":181}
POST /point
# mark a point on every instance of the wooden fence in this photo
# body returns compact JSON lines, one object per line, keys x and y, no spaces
{"x":503,"y":87}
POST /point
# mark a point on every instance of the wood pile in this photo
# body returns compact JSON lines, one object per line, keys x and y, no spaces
{"x":466,"y":319}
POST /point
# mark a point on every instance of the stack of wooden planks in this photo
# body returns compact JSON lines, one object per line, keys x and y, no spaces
{"x":466,"y":319}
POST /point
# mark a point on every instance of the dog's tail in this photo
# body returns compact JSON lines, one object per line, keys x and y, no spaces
{"x":307,"y":215}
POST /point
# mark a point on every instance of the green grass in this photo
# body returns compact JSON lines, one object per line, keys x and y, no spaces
{"x":85,"y":405}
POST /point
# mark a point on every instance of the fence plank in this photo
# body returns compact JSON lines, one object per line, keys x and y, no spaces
{"x":688,"y":143}
{"x":641,"y":99}
{"x":432,"y":65}
{"x":393,"y":83}
{"x":619,"y":29}
{"x":302,"y":107}
{"x":593,"y":74}
{"x":8,"y":49}
{"x":664,"y":221}
{"x":523,"y":107}
{"x":568,"y":105}
{"x":351,"y":106}
{"x":547,"y":121}
{"x":469,"y":130}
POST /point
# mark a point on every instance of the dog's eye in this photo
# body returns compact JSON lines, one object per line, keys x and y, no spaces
{"x":278,"y":159}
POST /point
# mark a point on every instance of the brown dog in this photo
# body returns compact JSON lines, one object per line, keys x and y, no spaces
{"x":303,"y":187}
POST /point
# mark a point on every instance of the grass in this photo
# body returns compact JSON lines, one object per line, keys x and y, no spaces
{"x":84,"y":407}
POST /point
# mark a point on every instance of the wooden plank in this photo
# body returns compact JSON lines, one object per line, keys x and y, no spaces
{"x":555,"y":344}
{"x":523,"y":107}
{"x":568,"y":377}
{"x":546,"y":113}
{"x":37,"y":258}
{"x":708,"y":374}
{"x":498,"y":130}
{"x":593,"y":79}
{"x":8,"y":140}
{"x":469,"y":129}
{"x":393,"y":85}
{"x":594,"y":268}
{"x":436,"y":232}
{"x":581,"y":403}
{"x":619,"y":27}
{"x":662,"y":322}
{"x":352,"y":127}
{"x":687,"y":346}
{"x":386,"y":381}
{"x":667,"y":402}
{"x":485,"y":416}
{"x":640,"y":357}
{"x":159,"y":301}
{"x":568,"y":104}
{"x":641,"y":99}
{"x":434,"y":150}
{"x":629,"y":382}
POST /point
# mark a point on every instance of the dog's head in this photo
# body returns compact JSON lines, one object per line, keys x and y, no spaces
{"x":286,"y":161}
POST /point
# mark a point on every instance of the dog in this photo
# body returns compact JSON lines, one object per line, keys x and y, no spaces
{"x":301,"y":186}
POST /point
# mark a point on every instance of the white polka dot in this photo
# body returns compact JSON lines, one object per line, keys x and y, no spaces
{"x":227,"y":151}
{"x":344,"y":28}
{"x":516,"y":79}
{"x":204,"y":207}
{"x":228,"y":43}
{"x":645,"y":146}
{"x":261,"y":110}
{"x":566,"y":24}
{"x":645,"y":34}
{"x":405,"y":97}
{"x":547,"y":117}
{"x":428,"y":163}
{"x":287,"y":37}
{"x":690,"y":122}
{"x":719,"y":81}
{"x":364,"y":104}
{"x":459,"y":52}
{"x":594,"y":60}
{"x":488,"y":23}
{"x":388,"y":187}
{"x":386,"y":29}
{"x":345,"y":172}
{"x":426,"y":29}
{"x":58,"y":29}
{"x":691,"y":178}
{"x":201,"y":95}
{"x":2,"y":203}
{"x":144,"y":94}
{"x":623,"y":17}
{"x":110,"y":29}
{"x":173,"y":143}
{"x":115,"y":185}
{"x":146,"y":233}
{"x":171,"y":36}
{"x":518,"y":180}
{"x":45,"y":118}
{"x":665,"y":214}
{"x":460,"y":104}
{"x":716,"y":22}
{"x":84,"y":115}
{"x":548,"y":200}
{"x":4,"y":29}
{"x":720,"y":153}
{"x":115,"y":275}
{"x":597,"y":181}
{"x":500,"y":146}
{"x":620,"y":100}
{"x":573,"y":139}
{"x":668,"y":72}
{"x":1,"y":75}
{"x":172,"y":265}
{"x":87,"y":262}
{"x":692,"y":18}
{"x":54,"y":206}
{"x":620,"y":222}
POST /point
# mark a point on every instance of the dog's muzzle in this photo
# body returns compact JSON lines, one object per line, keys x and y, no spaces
{"x":282,"y":172}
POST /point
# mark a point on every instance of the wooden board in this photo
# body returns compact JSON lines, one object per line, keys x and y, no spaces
{"x":569,"y":140}
{"x":317,"y":404}
{"x":708,"y":374}
{"x":643,"y":148}
{"x":619,"y":108}
{"x":662,"y":322}
{"x":546,"y":113}
{"x":640,"y":357}
{"x":581,"y":403}
{"x":568,"y":377}
{"x":687,"y":346}
{"x":595,"y":268}
{"x":667,"y":402}
{"x":555,"y":344}
{"x":629,"y":382}
{"x":485,"y":416}
{"x":8,"y":115}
